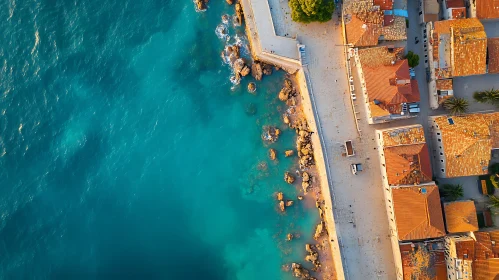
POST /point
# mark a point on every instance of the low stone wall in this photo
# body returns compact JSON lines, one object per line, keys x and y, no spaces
{"x":322,"y":168}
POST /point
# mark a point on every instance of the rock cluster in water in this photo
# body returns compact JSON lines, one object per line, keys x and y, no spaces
{"x":270,"y":134}
{"x":312,"y":256}
{"x":283,"y":204}
{"x":300,"y":272}
{"x":258,"y":69}
{"x":272,"y":154}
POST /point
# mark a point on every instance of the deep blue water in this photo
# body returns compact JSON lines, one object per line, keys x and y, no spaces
{"x":126,"y":153}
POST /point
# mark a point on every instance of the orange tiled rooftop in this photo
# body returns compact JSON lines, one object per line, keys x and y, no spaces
{"x":432,"y":268}
{"x":406,"y":156}
{"x":483,"y":253}
{"x":418,"y":212}
{"x":467,"y":142}
{"x":460,"y":216}
{"x":388,"y":84}
{"x":487,"y":9}
{"x":468,"y":42}
{"x":493,"y":49}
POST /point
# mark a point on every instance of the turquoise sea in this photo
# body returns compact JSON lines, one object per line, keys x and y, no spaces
{"x":126,"y":152}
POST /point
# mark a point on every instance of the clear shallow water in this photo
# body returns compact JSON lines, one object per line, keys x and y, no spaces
{"x":125,"y":154}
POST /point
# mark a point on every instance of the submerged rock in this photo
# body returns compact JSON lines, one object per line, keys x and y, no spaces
{"x":289,"y":178}
{"x":299,"y":271}
{"x":272,"y":154}
{"x":289,"y":203}
{"x":300,"y":197}
{"x":288,"y":153}
{"x":289,"y":237}
{"x":230,"y":2}
{"x":250,"y":109}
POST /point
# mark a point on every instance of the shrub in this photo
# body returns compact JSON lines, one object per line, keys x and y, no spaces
{"x":451,"y":192}
{"x":456,"y":105}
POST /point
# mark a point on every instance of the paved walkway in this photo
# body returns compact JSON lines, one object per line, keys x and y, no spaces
{"x":358,"y":202}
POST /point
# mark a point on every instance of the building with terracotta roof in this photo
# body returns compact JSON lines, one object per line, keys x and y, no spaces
{"x":366,"y":24}
{"x":424,"y":260}
{"x":493,"y":55}
{"x":444,"y":90}
{"x":473,"y":256}
{"x":453,"y":9}
{"x":463,"y":144}
{"x":405,"y":156}
{"x":459,"y":48}
{"x":484,"y":9}
{"x":387,"y":85}
{"x":418,"y":213}
{"x":460,"y":216}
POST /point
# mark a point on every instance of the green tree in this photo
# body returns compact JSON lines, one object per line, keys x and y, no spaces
{"x":494,"y":179}
{"x":493,"y":202}
{"x":487,"y":96}
{"x":311,"y":10}
{"x":456,"y":105}
{"x":451,"y":192}
{"x":412,"y":59}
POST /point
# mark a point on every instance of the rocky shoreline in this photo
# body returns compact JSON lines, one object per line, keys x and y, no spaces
{"x":306,"y":180}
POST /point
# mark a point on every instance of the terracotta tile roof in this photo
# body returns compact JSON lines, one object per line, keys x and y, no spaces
{"x":363,"y":30}
{"x":389,"y":84}
{"x":493,"y":50}
{"x":455,"y":3}
{"x":406,"y":155}
{"x":487,"y":9}
{"x":384,"y":4}
{"x":433,"y":269}
{"x":458,"y":13}
{"x":418,"y":213}
{"x":465,"y":249}
{"x":460,"y":216}
{"x":445,"y":84}
{"x":374,"y":57}
{"x":465,"y":46}
{"x":407,"y":165}
{"x":469,"y":52}
{"x":408,"y":135}
{"x":467,"y":143}
{"x":396,"y":31}
{"x":486,"y":269}
{"x":378,"y":111}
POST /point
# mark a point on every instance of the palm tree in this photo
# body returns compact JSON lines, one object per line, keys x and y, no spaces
{"x":456,"y":105}
{"x":487,"y":96}
{"x":451,"y":192}
{"x":493,"y":202}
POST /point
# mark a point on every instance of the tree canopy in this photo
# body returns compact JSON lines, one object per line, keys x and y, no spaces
{"x":412,"y":59}
{"x":490,"y":96}
{"x":311,"y":10}
{"x":456,"y":105}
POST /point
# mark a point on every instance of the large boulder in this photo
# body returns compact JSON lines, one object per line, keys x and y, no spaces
{"x":280,"y":196}
{"x":230,"y":2}
{"x":267,"y":69}
{"x":305,"y":177}
{"x":284,"y":94}
{"x":289,"y":178}
{"x":251,"y":87}
{"x":319,"y":230}
{"x":200,"y":5}
{"x":282,"y":207}
{"x":239,"y":13}
{"x":289,"y":203}
{"x":238,"y":65}
{"x":245,"y":71}
{"x":257,"y":71}
{"x":288,"y":153}
{"x":272,"y":154}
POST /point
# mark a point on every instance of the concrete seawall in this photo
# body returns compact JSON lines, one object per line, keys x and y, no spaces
{"x":318,"y":143}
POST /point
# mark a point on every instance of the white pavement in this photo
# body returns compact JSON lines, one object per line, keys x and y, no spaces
{"x":360,"y":214}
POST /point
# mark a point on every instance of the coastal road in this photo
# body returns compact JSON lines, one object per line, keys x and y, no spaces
{"x":358,"y":202}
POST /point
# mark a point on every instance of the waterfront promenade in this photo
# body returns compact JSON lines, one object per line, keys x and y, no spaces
{"x":360,"y":219}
